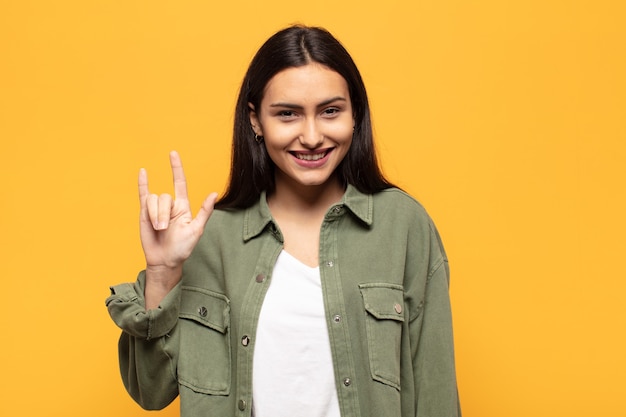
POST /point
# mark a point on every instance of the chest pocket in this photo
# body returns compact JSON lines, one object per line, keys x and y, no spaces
{"x":204,"y":360}
{"x":384,"y":304}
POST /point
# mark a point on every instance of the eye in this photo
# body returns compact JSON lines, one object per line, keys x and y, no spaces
{"x":331,"y":111}
{"x":286,"y":114}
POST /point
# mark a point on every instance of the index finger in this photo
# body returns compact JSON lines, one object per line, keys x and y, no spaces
{"x":180,"y":183}
{"x":143,"y":185}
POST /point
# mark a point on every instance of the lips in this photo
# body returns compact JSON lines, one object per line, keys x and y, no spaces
{"x":310,"y":155}
{"x":314,"y":159}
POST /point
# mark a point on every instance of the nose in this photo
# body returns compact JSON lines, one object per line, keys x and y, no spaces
{"x":311,"y":137}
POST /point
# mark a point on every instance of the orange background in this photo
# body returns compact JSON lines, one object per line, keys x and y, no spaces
{"x":506,"y":119}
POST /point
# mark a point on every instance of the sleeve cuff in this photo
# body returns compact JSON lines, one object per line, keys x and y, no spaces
{"x":126,"y":307}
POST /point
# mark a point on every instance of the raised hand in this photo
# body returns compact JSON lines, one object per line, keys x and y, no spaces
{"x":169,"y":232}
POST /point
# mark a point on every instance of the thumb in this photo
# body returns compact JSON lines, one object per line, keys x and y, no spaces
{"x":205,"y":211}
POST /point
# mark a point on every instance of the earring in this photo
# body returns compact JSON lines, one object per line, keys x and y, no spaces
{"x":257,"y":138}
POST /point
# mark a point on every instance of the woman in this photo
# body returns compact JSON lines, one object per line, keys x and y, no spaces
{"x":316,"y":288}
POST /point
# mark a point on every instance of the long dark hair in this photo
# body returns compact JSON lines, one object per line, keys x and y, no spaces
{"x":252,"y":170}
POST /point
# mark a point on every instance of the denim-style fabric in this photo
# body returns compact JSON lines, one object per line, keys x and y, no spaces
{"x":385,"y":282}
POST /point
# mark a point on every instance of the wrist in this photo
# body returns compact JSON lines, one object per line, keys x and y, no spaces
{"x":160,"y":280}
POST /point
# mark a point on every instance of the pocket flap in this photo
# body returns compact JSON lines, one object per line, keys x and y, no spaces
{"x":383,"y":301}
{"x":206,"y":307}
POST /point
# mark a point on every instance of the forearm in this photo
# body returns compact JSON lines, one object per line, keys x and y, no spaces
{"x":148,"y":346}
{"x":147,"y":370}
{"x":433,"y":352}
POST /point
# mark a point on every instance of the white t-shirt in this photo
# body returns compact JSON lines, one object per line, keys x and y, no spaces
{"x":293,"y":371}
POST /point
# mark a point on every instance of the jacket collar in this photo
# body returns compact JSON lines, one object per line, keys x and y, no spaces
{"x":258,"y":216}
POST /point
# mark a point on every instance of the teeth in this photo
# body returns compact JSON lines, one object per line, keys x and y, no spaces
{"x":311,"y":157}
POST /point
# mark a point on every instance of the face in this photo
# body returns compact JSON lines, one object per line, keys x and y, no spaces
{"x":306,"y":119}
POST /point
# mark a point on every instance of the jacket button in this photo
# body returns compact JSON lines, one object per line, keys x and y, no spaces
{"x":398,"y":308}
{"x":260,"y":278}
{"x":347,"y":382}
{"x":336,"y":318}
{"x":330,"y":264}
{"x":242,"y":405}
{"x":245,"y":341}
{"x":202,"y":311}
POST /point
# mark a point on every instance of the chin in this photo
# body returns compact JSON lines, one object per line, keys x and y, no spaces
{"x":312,"y":183}
{"x":318,"y":183}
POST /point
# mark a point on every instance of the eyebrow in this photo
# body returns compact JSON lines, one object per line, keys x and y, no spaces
{"x":298,"y":107}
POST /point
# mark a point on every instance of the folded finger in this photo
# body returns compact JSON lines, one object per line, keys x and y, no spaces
{"x":164,"y":211}
{"x":152,"y":209}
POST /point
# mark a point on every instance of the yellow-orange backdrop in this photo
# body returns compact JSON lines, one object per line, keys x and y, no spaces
{"x":506,"y":119}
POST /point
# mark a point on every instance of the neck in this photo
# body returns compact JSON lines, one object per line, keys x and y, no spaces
{"x":289,"y":197}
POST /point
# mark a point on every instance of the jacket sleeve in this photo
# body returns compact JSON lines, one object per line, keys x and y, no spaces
{"x":432,"y":341}
{"x":148,"y":344}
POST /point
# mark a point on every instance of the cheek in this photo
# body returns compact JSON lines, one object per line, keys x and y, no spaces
{"x":279,"y":132}
{"x":346,"y":134}
{"x":340,"y":132}
{"x":274,"y":155}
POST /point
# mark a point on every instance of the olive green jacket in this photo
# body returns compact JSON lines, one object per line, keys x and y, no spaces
{"x":384,"y":277}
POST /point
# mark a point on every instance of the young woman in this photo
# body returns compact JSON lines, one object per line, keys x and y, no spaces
{"x":315,"y":288}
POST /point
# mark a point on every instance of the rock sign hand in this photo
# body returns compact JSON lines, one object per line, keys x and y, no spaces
{"x":168,"y":231}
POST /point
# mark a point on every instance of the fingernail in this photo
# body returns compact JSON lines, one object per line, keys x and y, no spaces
{"x":162,"y":226}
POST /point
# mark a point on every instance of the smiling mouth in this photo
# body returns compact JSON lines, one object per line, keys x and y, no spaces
{"x":309,"y":156}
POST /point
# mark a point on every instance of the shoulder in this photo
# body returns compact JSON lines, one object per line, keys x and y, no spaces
{"x":399,"y":204}
{"x":396,"y":210}
{"x":396,"y":195}
{"x":225,"y":216}
{"x":223,"y":233}
{"x":225,"y":222}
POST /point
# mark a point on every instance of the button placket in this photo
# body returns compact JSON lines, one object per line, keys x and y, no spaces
{"x":258,"y":280}
{"x":330,"y":275}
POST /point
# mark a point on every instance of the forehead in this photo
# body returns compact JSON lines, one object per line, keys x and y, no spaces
{"x":309,"y":83}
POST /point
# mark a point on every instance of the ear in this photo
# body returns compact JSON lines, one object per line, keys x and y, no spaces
{"x":254,"y":120}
